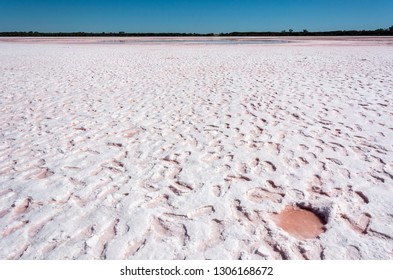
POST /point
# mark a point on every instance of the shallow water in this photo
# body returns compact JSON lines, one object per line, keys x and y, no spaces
{"x":196,"y":41}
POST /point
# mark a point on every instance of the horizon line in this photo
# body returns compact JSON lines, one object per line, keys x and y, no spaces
{"x":379,"y":31}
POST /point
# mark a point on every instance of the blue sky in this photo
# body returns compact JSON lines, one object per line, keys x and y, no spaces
{"x":201,"y":16}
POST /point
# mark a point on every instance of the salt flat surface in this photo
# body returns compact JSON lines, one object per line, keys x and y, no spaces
{"x":191,"y":152}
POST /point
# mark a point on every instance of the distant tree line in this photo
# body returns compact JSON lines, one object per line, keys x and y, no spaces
{"x":290,"y":32}
{"x":305,"y":32}
{"x":102,"y":34}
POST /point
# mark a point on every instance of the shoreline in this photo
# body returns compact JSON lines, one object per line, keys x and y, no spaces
{"x":296,"y":40}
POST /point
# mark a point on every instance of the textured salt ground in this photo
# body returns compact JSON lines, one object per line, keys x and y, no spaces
{"x":189,"y":152}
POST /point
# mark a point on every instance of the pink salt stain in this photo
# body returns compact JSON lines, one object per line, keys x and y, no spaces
{"x":12,"y":228}
{"x":3,"y":213}
{"x":157,"y":201}
{"x":259,"y":195}
{"x":202,"y":211}
{"x":300,"y":223}
{"x":42,"y":173}
{"x":129,"y":133}
{"x":6,"y":170}
{"x":22,"y":206}
{"x":133,"y":247}
{"x":49,"y":247}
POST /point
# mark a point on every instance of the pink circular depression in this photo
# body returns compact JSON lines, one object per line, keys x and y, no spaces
{"x":300,"y":223}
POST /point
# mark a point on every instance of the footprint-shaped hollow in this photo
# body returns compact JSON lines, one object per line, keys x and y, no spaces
{"x":300,"y":223}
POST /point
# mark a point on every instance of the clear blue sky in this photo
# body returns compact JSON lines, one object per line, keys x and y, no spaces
{"x":201,"y":16}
